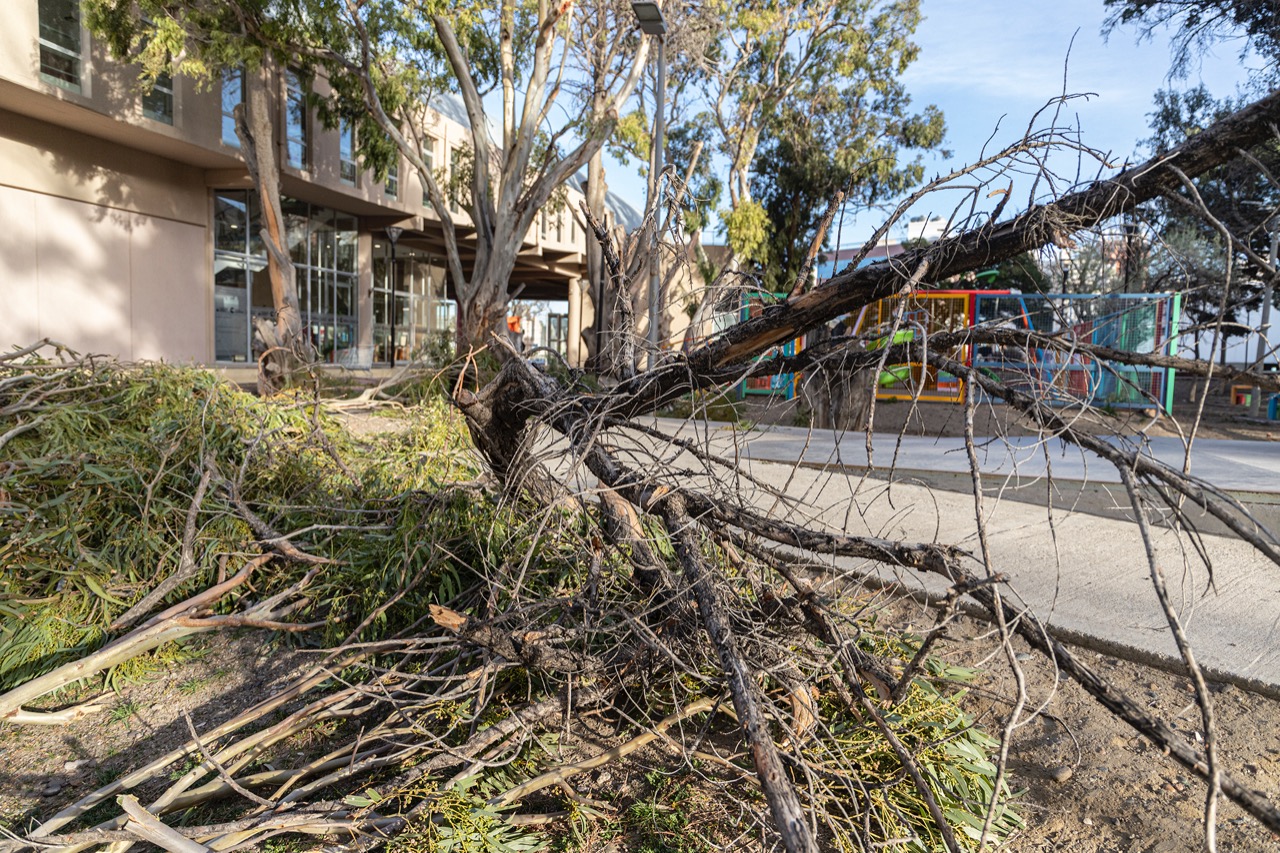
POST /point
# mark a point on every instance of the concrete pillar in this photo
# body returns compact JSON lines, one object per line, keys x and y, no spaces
{"x":577,"y":288}
{"x":364,"y":297}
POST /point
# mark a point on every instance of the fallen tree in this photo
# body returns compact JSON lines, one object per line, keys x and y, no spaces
{"x":613,"y":569}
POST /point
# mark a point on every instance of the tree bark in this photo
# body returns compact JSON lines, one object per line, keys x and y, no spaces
{"x":282,"y":345}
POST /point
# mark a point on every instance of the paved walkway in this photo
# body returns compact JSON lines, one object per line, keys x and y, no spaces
{"x":1084,"y":574}
{"x":1252,"y":466}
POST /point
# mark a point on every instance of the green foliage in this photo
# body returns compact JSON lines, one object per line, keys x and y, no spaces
{"x":460,"y":820}
{"x":747,"y":227}
{"x":659,"y":823}
{"x":847,"y":124}
{"x":93,"y":503}
{"x":1201,"y":24}
{"x":1238,"y":194}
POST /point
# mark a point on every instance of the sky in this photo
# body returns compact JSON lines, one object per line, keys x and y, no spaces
{"x":991,"y":64}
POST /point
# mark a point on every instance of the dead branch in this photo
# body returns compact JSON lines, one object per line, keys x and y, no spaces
{"x":784,"y":805}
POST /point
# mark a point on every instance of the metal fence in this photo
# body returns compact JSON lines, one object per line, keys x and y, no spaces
{"x":900,"y":319}
{"x":1140,"y":323}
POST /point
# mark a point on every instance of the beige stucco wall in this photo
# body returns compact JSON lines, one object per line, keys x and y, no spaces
{"x":101,"y":280}
{"x":52,"y":160}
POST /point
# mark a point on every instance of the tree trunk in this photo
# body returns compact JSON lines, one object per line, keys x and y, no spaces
{"x":281,"y":346}
{"x":597,"y":189}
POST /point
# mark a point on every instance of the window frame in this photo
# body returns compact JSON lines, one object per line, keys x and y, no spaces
{"x":164,"y":85}
{"x":297,"y":89}
{"x":348,"y":169}
{"x":229,"y":118}
{"x":76,"y":57}
{"x":391,"y":183}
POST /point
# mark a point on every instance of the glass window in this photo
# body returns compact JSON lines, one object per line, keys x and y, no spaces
{"x":232,"y":97}
{"x":322,"y":243}
{"x":230,"y":310}
{"x":157,"y":104}
{"x":60,"y":48}
{"x":347,"y":151}
{"x":296,"y":119}
{"x":391,"y":186}
{"x":230,"y":222}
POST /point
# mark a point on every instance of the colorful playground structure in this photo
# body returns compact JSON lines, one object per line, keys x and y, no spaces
{"x":1142,"y":323}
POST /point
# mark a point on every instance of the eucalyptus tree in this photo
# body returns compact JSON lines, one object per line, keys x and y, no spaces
{"x":392,"y":57}
{"x":776,"y":57}
{"x":207,"y":40}
{"x":852,"y":136}
{"x":691,"y":29}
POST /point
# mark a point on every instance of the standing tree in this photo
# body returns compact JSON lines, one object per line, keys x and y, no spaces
{"x":775,"y":60}
{"x":846,"y":134}
{"x":391,"y":57}
{"x":1217,"y":227}
{"x":206,"y":41}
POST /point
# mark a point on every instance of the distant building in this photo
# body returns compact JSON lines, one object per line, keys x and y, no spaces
{"x":920,"y":228}
{"x":831,"y":263}
{"x":128,"y":225}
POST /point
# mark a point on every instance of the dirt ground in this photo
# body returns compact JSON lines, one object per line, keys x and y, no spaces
{"x":1088,"y":783}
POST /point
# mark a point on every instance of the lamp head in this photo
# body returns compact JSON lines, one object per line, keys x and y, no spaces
{"x":649,"y":16}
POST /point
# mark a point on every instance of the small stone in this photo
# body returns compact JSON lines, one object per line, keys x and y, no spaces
{"x":1061,"y":774}
{"x":1151,"y":685}
{"x":74,"y":766}
{"x":51,"y":788}
{"x":1118,"y":742}
{"x":1251,"y":767}
{"x":1022,"y":656}
{"x":1088,"y":821}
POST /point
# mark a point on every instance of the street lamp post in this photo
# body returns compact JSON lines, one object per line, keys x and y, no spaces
{"x":393,"y":235}
{"x":1264,"y":328}
{"x":649,"y":16}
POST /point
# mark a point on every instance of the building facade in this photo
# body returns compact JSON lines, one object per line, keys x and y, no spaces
{"x":128,"y":225}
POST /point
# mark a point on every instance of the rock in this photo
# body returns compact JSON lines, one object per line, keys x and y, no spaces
{"x":51,"y":788}
{"x":74,"y":766}
{"x":1022,"y":656}
{"x":1088,"y":821}
{"x":1061,"y":774}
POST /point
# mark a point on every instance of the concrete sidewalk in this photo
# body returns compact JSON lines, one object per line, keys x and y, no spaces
{"x":1083,"y":574}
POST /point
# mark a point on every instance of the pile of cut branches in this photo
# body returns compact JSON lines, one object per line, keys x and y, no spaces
{"x":458,"y":623}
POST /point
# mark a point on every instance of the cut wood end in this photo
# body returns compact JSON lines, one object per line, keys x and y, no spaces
{"x":450,"y":620}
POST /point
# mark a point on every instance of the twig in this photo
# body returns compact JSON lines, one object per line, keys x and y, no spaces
{"x":568,"y":771}
{"x":222,"y":771}
{"x":144,"y":825}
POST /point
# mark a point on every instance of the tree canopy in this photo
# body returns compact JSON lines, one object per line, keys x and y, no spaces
{"x":1199,"y":24}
